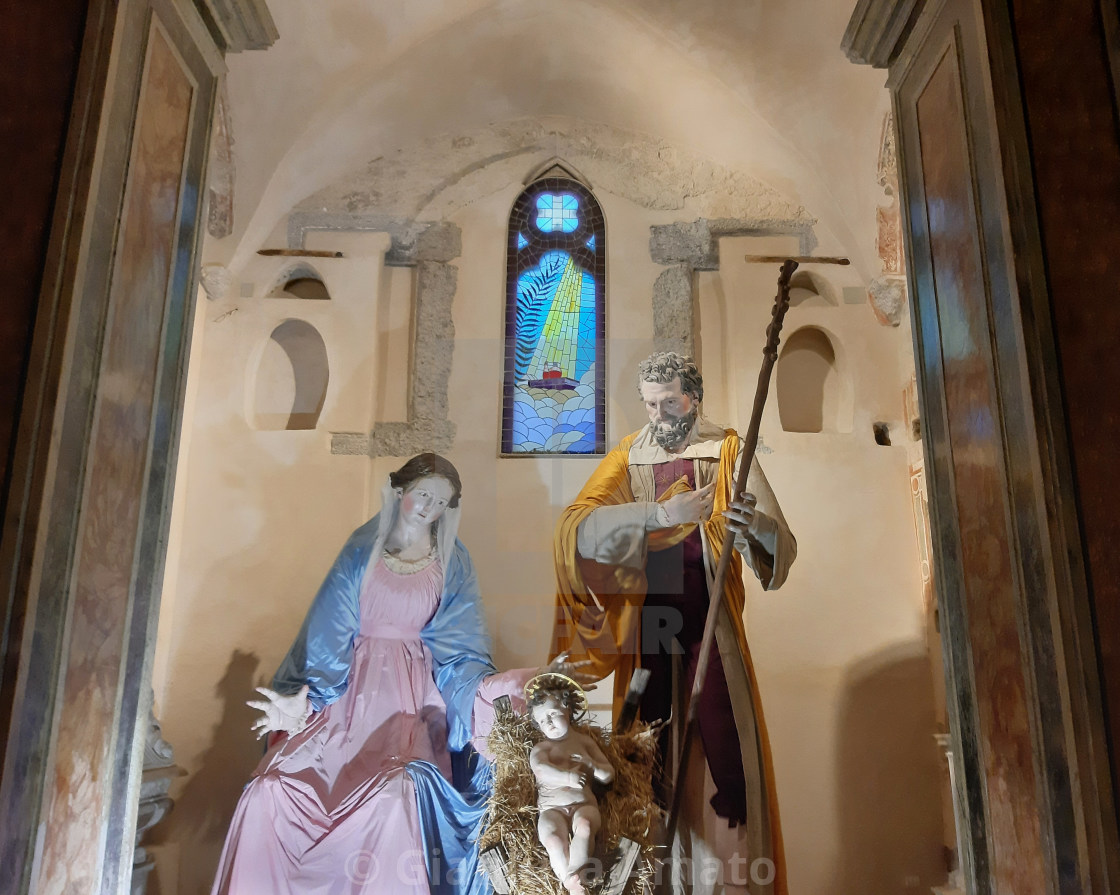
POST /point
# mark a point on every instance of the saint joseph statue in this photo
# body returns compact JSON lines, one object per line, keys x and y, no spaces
{"x":635,"y":557}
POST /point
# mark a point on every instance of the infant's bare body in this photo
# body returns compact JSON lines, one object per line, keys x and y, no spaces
{"x":564,"y":763}
{"x":564,"y":769}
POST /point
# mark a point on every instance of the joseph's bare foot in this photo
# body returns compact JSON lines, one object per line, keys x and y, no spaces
{"x":574,"y":884}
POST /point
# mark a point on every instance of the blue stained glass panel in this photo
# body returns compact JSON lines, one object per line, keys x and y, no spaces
{"x":557,"y":211}
{"x":555,"y":401}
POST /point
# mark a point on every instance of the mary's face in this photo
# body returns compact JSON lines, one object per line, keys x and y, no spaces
{"x":424,"y":502}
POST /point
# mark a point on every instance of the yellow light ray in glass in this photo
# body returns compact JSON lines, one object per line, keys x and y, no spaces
{"x":559,"y":336}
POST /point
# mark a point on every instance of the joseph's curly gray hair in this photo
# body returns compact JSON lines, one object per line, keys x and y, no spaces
{"x":665,"y":366}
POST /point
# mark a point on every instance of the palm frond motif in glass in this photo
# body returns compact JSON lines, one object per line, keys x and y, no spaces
{"x":554,"y":391}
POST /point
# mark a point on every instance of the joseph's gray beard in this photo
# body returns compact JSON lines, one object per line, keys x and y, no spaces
{"x":672,"y":436}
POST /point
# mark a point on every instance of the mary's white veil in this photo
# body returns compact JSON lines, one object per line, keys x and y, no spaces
{"x":390,"y":507}
{"x":447,"y":528}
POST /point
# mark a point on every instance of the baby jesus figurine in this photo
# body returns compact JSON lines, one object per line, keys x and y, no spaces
{"x":564,"y":764}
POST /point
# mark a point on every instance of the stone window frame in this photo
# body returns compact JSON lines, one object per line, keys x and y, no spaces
{"x":684,"y":248}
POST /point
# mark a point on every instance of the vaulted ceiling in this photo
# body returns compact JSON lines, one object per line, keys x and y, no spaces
{"x":753,"y":92}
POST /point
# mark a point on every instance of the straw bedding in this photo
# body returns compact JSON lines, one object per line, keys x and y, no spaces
{"x":627,"y":808}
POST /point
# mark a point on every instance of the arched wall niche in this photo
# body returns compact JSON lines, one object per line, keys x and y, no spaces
{"x":814,"y":394}
{"x":808,"y":289}
{"x":291,"y":379}
{"x":300,"y":281}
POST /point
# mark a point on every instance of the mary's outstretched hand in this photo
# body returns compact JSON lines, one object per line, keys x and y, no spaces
{"x":561,"y":665}
{"x":279,"y":712}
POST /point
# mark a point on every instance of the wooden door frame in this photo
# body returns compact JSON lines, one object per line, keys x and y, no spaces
{"x":44,"y":510}
{"x":1065,"y":703}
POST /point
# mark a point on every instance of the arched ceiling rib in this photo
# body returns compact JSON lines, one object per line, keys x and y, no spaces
{"x":433,"y":178}
{"x":760,"y":88}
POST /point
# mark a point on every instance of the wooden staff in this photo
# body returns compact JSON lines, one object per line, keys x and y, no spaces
{"x":299,"y":253}
{"x":800,"y":259}
{"x":750,"y":444}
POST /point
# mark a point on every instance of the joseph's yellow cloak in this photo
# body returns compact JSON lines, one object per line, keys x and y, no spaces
{"x":598,"y":617}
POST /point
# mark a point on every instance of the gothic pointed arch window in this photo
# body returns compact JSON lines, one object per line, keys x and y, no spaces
{"x":554,"y":394}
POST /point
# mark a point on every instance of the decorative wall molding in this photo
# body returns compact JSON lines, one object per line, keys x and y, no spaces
{"x":887,"y":292}
{"x":886,"y":174}
{"x":687,"y":247}
{"x":241,"y":24}
{"x":220,"y":171}
{"x":889,"y":216}
{"x":412,"y":241}
{"x":888,"y":299}
{"x":878,"y":29}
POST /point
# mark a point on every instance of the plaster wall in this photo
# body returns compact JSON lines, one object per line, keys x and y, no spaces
{"x":839,"y":650}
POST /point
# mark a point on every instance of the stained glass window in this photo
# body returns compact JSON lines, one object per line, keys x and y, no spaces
{"x":554,"y":390}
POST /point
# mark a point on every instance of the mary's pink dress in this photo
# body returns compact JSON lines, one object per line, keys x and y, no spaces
{"x":332,"y":809}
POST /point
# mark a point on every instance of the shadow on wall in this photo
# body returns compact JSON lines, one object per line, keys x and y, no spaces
{"x":203,"y":809}
{"x":888,"y":792}
{"x":263,"y":592}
